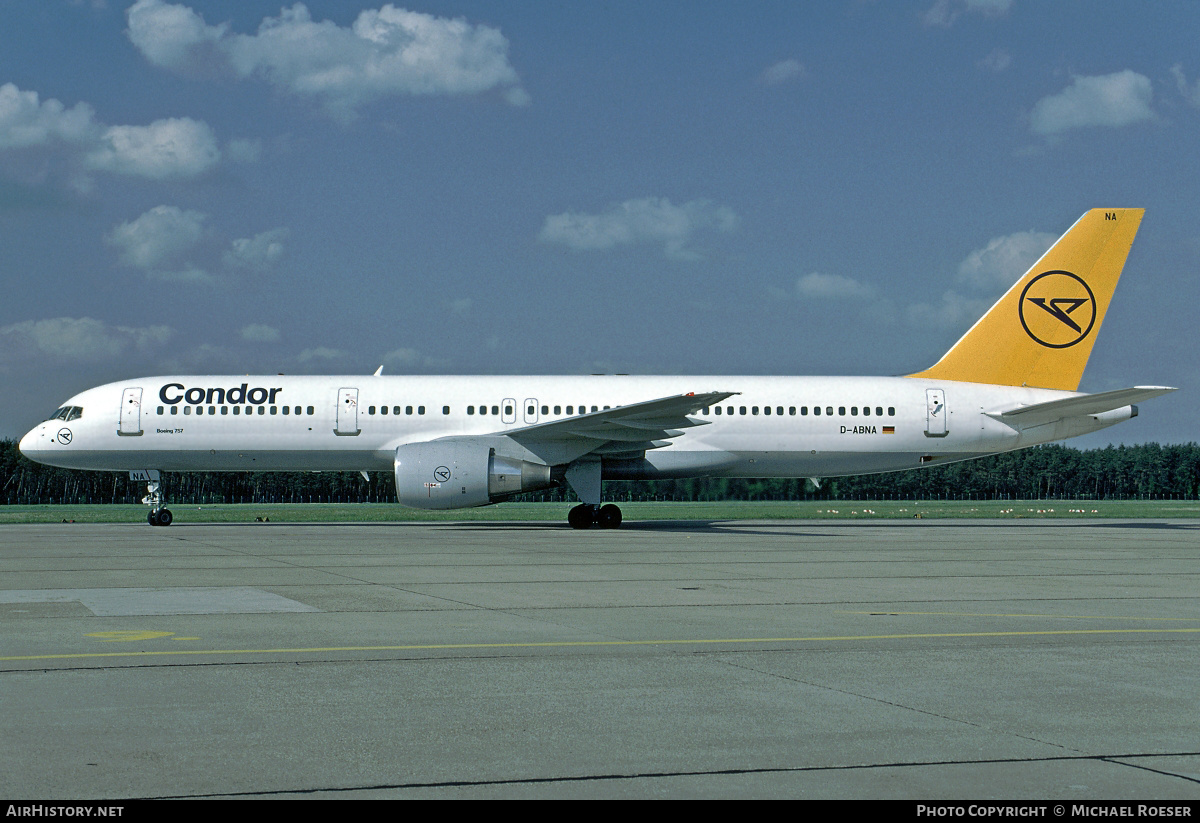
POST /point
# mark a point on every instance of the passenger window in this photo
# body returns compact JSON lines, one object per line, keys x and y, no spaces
{"x":742,"y":409}
{"x":383,"y":409}
{"x":545,"y":410}
{"x":262,"y":410}
{"x":470,"y":410}
{"x":866,"y":411}
{"x":854,"y":411}
{"x":842,"y":411}
{"x":558,"y":409}
{"x":792,"y":411}
{"x":420,"y":409}
{"x":395,"y":409}
{"x":370,"y":409}
{"x":160,"y":410}
{"x":570,"y":409}
{"x":309,"y":410}
{"x":779,"y":410}
{"x":445,"y":409}
{"x":829,"y":411}
{"x":286,"y":409}
{"x":754,"y":410}
{"x":879,"y":411}
{"x":594,"y":408}
{"x":817,"y":410}
{"x":187,"y":409}
{"x":766,"y":409}
{"x":237,"y":410}
{"x":717,"y":409}
{"x":175,"y":410}
{"x":891,"y":411}
{"x":274,"y":410}
{"x":408,"y":409}
{"x":495,"y":409}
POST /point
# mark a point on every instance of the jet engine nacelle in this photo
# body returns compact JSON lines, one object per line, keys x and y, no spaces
{"x":457,"y":473}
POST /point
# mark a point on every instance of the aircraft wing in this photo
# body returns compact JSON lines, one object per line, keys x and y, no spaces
{"x":622,"y":431}
{"x":1083,"y":405}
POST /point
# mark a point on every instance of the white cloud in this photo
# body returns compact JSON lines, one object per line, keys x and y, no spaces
{"x":258,"y":253}
{"x":258,"y":333}
{"x":165,"y":243}
{"x":322,"y":354}
{"x":408,"y":359}
{"x":945,"y":12}
{"x":648,"y":220}
{"x":386,"y":51}
{"x":158,"y":238}
{"x":954,"y":310}
{"x":1113,"y":100}
{"x":1004,"y":259}
{"x":25,"y":122}
{"x":80,"y":340}
{"x":172,"y":148}
{"x":997,"y":60}
{"x":819,"y":286}
{"x":1191,"y":93}
{"x":782,"y":72}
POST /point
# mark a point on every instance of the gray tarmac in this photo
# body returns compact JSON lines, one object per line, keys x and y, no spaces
{"x":924,"y":660}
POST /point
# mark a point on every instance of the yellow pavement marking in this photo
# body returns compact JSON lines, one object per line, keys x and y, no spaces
{"x":588,"y":643}
{"x":127,"y":636}
{"x":985,"y":614}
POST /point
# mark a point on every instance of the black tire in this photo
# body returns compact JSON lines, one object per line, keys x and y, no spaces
{"x":152,"y":517}
{"x":609,"y":516}
{"x":165,"y":518}
{"x":581,"y":517}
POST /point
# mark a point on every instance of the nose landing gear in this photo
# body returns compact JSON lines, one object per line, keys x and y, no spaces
{"x":158,"y":515}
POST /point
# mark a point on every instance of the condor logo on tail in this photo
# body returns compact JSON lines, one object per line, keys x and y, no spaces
{"x":1065,"y":309}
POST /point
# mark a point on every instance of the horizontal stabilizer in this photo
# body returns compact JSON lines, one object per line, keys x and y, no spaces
{"x":1080,"y":406}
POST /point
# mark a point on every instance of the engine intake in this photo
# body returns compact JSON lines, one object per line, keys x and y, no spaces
{"x":461,"y":473}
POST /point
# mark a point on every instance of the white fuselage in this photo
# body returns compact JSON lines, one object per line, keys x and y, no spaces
{"x":771,"y":428}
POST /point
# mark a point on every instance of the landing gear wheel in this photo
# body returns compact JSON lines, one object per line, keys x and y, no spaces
{"x":581,"y":517}
{"x":162,"y":517}
{"x":609,"y":516}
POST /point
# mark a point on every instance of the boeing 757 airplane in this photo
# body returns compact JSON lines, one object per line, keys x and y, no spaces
{"x":454,"y":442}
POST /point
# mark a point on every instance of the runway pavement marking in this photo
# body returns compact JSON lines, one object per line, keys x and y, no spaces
{"x":587,"y":643}
{"x":1050,"y":616}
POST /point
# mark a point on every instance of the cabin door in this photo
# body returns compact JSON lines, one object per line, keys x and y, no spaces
{"x":347,"y":413}
{"x":935,"y":414}
{"x":131,"y":413}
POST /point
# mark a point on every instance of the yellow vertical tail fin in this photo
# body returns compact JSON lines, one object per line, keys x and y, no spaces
{"x":1041,"y":332}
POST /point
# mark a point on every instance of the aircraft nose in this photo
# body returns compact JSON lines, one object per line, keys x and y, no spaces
{"x":29,"y":443}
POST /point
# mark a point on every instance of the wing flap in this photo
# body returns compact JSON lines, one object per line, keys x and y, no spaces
{"x":625,"y":430}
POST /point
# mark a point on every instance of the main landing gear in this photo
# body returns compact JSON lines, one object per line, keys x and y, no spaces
{"x":158,"y":515}
{"x":585,"y":516}
{"x":584,"y":475}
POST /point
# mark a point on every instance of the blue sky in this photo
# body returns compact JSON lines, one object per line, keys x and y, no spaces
{"x":568,"y":188}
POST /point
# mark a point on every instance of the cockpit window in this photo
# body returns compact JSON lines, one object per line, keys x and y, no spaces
{"x":67,"y":413}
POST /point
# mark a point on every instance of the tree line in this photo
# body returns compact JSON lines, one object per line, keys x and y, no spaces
{"x":1148,"y":471}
